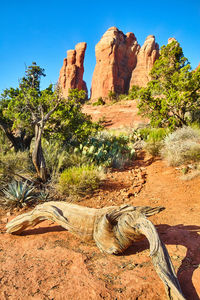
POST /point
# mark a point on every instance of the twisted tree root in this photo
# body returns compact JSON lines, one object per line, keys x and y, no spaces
{"x":113,"y":229}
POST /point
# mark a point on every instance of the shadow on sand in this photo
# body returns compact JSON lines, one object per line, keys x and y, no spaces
{"x":187,"y":236}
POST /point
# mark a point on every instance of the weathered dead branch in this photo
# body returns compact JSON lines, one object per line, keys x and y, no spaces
{"x":113,"y":229}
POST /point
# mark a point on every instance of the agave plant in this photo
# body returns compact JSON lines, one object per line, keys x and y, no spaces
{"x":18,"y":193}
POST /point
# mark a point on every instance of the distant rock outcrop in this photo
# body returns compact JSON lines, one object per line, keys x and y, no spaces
{"x":146,"y":58}
{"x":197,"y":67}
{"x":71,"y":73}
{"x":116,"y":57}
{"x":170,"y":40}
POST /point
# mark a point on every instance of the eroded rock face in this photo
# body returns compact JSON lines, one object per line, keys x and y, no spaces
{"x":146,"y":58}
{"x":115,"y":60}
{"x":71,"y":73}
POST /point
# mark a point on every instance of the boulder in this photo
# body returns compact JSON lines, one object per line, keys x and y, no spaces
{"x":146,"y":57}
{"x":71,"y":73}
{"x":116,"y":55}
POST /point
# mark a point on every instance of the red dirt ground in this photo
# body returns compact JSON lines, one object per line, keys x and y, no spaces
{"x":119,"y":115}
{"x":47,"y":262}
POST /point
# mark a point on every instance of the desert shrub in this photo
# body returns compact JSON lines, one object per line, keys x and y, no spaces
{"x":153,"y":139}
{"x":156,"y":134}
{"x":134,"y":92}
{"x":100,"y":101}
{"x":182,"y":146}
{"x":58,"y":158}
{"x":55,"y":156}
{"x":107,"y":150}
{"x":123,"y":97}
{"x":171,"y":98}
{"x":150,"y":139}
{"x":79,"y":180}
{"x":13,"y":163}
{"x":112,"y":95}
{"x":153,"y":147}
{"x":18,"y":194}
{"x":4,"y":143}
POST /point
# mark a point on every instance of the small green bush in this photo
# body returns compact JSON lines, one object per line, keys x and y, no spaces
{"x":153,"y":147}
{"x":123,"y":97}
{"x":100,"y":101}
{"x":152,"y":137}
{"x":134,"y":92}
{"x":153,"y":134}
{"x":112,"y":95}
{"x":182,"y":146}
{"x":79,"y":180}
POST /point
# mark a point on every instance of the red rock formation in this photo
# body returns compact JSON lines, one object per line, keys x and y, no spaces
{"x":170,"y":40}
{"x":146,"y":57}
{"x":115,"y":60}
{"x":197,"y":67}
{"x":71,"y":73}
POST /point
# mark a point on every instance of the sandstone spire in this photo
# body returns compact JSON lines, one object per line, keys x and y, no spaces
{"x":71,"y":73}
{"x":115,"y":60}
{"x":146,"y":57}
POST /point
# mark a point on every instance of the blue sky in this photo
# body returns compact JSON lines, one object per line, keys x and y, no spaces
{"x":43,"y":31}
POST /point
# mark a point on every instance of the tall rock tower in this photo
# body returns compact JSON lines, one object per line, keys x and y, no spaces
{"x":146,"y":58}
{"x":71,"y":73}
{"x":116,"y":57}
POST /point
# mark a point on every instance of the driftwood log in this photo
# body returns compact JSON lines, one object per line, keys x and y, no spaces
{"x":113,"y":229}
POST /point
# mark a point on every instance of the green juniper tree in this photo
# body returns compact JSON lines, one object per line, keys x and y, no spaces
{"x":173,"y":94}
{"x":27,"y":112}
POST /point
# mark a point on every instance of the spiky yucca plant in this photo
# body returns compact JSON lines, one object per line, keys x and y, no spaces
{"x":18,"y":193}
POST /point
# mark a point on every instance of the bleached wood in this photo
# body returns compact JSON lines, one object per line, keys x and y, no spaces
{"x":113,"y":229}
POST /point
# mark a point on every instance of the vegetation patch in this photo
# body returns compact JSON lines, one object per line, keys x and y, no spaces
{"x":107,"y":150}
{"x":18,"y":194}
{"x":171,"y":98}
{"x":182,"y":146}
{"x":80,"y":181}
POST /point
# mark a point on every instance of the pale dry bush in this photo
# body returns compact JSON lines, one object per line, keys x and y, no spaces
{"x":182,"y":146}
{"x":13,"y":163}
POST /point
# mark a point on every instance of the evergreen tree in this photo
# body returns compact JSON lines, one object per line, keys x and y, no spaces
{"x":172,"y":97}
{"x":28,"y":112}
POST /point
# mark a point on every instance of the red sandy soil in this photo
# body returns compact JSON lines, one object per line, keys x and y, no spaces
{"x":47,"y":262}
{"x":119,"y":115}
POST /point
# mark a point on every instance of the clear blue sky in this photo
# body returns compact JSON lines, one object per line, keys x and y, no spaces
{"x":42,"y":31}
